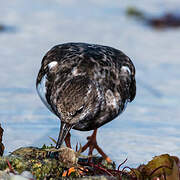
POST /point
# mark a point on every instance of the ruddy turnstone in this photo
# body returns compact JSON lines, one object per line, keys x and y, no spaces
{"x":85,"y":86}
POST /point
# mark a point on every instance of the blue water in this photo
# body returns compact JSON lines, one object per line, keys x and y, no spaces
{"x":149,"y":126}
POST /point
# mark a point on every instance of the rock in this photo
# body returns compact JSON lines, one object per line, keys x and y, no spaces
{"x":68,"y":157}
{"x":167,"y":20}
{"x":27,"y":174}
{"x":50,"y":163}
{"x":163,"y":167}
{"x":17,"y":177}
{"x":2,"y":27}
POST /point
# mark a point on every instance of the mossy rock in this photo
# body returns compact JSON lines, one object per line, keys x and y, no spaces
{"x":56,"y":165}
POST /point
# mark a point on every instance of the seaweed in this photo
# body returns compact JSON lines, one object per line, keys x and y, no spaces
{"x":48,"y":162}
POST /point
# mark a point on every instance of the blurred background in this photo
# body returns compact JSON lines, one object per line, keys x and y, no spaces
{"x":147,"y":31}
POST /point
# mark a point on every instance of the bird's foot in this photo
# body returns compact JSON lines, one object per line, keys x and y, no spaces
{"x":92,"y":144}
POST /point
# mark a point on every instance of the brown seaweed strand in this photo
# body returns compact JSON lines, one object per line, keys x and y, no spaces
{"x":10,"y":167}
{"x":97,"y":167}
{"x":122,"y":164}
{"x":126,"y":167}
{"x":101,"y":168}
{"x":159,"y":168}
{"x":164,"y":174}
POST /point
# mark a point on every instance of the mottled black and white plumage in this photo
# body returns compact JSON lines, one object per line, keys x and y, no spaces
{"x":85,"y":85}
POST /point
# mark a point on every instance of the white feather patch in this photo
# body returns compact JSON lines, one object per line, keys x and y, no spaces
{"x":52,"y":64}
{"x":110,"y":99}
{"x":41,"y":89}
{"x":75,"y":71}
{"x":126,"y":69}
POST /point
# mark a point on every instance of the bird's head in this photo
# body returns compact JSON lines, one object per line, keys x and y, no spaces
{"x":78,"y":99}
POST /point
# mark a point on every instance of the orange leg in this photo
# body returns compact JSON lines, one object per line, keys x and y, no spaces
{"x":92,"y":144}
{"x":68,"y":140}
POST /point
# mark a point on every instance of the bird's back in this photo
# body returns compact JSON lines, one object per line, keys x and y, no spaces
{"x":108,"y":68}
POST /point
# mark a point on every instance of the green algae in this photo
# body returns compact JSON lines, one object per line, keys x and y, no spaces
{"x":35,"y":160}
{"x":56,"y":165}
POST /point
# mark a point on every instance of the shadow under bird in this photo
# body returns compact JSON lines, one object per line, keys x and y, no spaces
{"x":85,"y":86}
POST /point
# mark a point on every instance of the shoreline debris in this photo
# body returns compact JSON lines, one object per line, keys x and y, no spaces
{"x":49,"y":163}
{"x":168,"y":20}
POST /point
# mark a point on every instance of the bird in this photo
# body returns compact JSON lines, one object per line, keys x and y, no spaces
{"x":85,"y":86}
